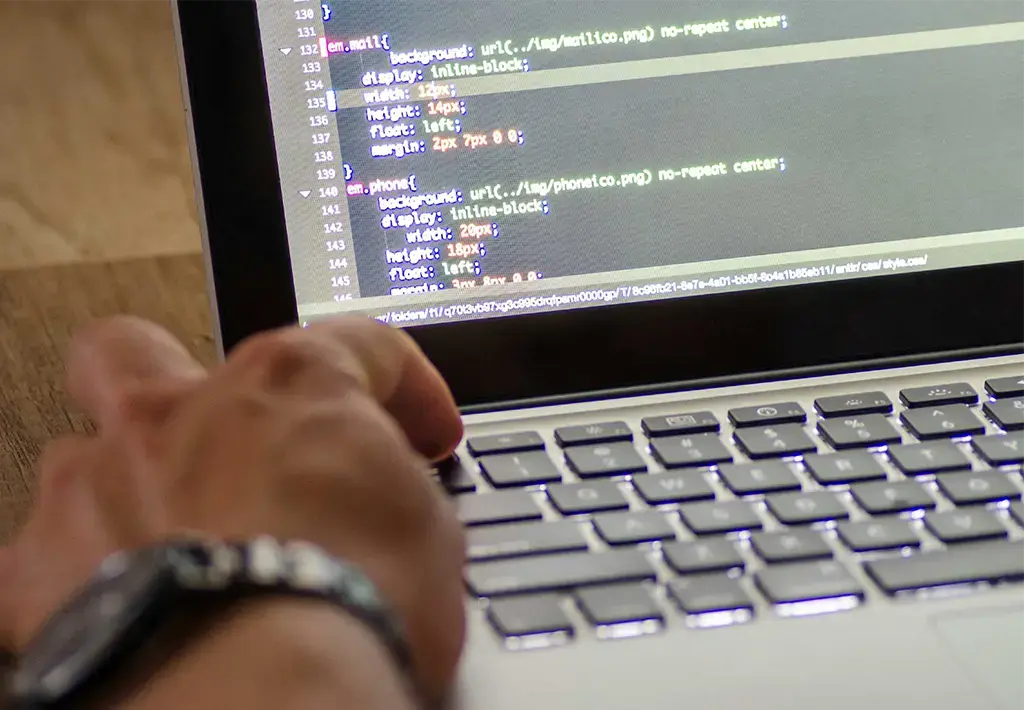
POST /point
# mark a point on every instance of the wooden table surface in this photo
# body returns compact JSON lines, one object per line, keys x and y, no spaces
{"x":96,"y":206}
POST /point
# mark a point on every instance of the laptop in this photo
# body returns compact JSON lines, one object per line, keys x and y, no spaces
{"x":731,"y":296}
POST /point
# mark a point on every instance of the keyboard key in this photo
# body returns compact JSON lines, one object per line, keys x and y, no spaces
{"x":849,"y":467}
{"x":539,"y":614}
{"x":883,"y":498}
{"x":782,"y":413}
{"x":774,"y":441}
{"x":710,"y":593}
{"x":618,"y":604}
{"x":520,"y":469}
{"x":696,"y":450}
{"x":498,"y":507}
{"x":807,"y":581}
{"x":942,"y":422}
{"x":719,"y":518}
{"x":1008,"y":414}
{"x":454,"y":475}
{"x":760,"y":477}
{"x":504,"y":443}
{"x":593,"y":433}
{"x":590,"y":497}
{"x":986,"y":562}
{"x":859,"y":432}
{"x":978,"y":487}
{"x":522,"y":539}
{"x":804,"y":508}
{"x":634,"y":527}
{"x":1000,"y":449}
{"x":877,"y":535}
{"x":690,"y":423}
{"x":790,"y":546}
{"x":1000,"y":387}
{"x":673,"y":487}
{"x":604,"y":460}
{"x":956,"y":393}
{"x":851,"y":404}
{"x":964,"y":525}
{"x":548,"y":573}
{"x":1017,"y":511}
{"x":937,"y":457}
{"x":711,"y":555}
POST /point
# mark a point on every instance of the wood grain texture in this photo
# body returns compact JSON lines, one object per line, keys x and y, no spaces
{"x":39,"y":310}
{"x":93,"y":154}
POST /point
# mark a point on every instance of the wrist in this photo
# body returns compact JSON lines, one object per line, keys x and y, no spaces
{"x":269,"y":653}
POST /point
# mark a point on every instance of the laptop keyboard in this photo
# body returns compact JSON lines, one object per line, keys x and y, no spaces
{"x":821,"y":502}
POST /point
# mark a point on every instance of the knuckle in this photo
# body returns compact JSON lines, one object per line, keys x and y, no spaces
{"x":138,"y":401}
{"x":280,"y":359}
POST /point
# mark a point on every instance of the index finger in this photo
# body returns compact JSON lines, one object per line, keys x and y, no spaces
{"x":385,"y":362}
{"x":403,"y":380}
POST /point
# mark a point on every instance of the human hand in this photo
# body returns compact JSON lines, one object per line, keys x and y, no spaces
{"x":321,"y":434}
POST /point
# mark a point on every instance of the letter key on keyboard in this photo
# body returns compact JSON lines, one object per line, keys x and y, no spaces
{"x":633,"y":527}
{"x":888,"y":497}
{"x":790,"y":545}
{"x":877,"y":535}
{"x":806,"y":507}
{"x":587,"y":497}
{"x":701,"y":556}
{"x":673,"y":487}
{"x":978,"y":487}
{"x":934,"y":457}
{"x":847,"y":467}
{"x":759,"y":477}
{"x":718,"y":518}
{"x":1000,"y":449}
{"x":964,"y":525}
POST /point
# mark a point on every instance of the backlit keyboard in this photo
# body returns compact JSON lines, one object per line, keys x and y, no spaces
{"x":803,"y":506}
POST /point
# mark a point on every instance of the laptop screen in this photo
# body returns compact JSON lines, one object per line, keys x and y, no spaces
{"x":443,"y":161}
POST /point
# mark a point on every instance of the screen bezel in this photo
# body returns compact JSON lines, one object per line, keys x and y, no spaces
{"x":562,"y":356}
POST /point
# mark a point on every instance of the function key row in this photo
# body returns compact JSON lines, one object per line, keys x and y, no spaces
{"x":944,"y":413}
{"x":687,"y":458}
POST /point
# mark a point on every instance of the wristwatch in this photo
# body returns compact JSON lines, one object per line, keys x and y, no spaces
{"x":135,"y":593}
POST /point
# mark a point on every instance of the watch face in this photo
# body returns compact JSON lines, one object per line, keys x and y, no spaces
{"x":81,"y":636}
